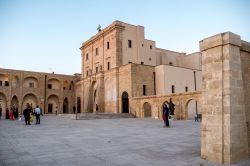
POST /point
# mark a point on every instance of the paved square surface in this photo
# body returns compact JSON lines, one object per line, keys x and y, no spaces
{"x":102,"y":142}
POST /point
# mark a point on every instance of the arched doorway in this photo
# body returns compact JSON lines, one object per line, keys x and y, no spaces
{"x":125,"y":103}
{"x":3,"y":104}
{"x":31,"y":99}
{"x":53,"y":104}
{"x":65,"y":106}
{"x":78,"y":105}
{"x":147,"y":110}
{"x":14,"y":102}
{"x":192,"y":108}
{"x":92,"y":99}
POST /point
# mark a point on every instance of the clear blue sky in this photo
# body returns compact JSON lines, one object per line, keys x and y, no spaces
{"x":45,"y":35}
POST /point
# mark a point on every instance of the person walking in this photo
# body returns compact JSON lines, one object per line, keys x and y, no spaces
{"x":7,"y":116}
{"x":163,"y":114}
{"x":26,"y":114}
{"x":166,"y":114}
{"x":1,"y":111}
{"x":37,"y":113}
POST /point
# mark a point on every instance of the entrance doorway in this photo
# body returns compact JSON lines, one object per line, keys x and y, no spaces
{"x":66,"y":106}
{"x":147,"y":110}
{"x":78,"y":105}
{"x":125,"y":103}
{"x":50,"y":108}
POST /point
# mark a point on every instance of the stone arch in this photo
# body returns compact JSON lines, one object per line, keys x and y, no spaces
{"x":55,"y":83}
{"x":14,"y":101}
{"x":30,"y":82}
{"x":71,"y":87}
{"x":125,"y":102}
{"x":65,"y":105}
{"x":15,"y":82}
{"x":65,"y":85}
{"x":147,"y":109}
{"x":93,"y":95}
{"x":53,"y":104}
{"x":191,"y":108}
{"x":3,"y":103}
{"x":31,"y":99}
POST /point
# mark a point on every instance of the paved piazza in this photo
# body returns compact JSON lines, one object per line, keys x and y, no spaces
{"x":102,"y":142}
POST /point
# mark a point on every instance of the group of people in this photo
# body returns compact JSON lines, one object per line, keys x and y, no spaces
{"x":167,"y":110}
{"x":28,"y":113}
{"x":11,"y":114}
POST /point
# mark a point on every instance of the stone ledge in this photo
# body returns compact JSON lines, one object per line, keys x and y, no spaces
{"x":220,"y":39}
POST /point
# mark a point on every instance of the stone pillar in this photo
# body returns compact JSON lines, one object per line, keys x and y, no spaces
{"x":223,"y":130}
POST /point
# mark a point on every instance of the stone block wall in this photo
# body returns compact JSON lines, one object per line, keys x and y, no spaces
{"x":224,"y":129}
{"x":245,"y":67}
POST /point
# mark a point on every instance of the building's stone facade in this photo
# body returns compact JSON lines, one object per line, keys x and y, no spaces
{"x":122,"y":72}
{"x":54,"y":93}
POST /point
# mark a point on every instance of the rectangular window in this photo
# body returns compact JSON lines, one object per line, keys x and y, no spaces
{"x":87,"y":56}
{"x":96,"y":51}
{"x":173,"y":89}
{"x":96,"y":69}
{"x":87,"y":73}
{"x":151,"y":47}
{"x":1,"y":83}
{"x":6,"y":83}
{"x":186,"y":89}
{"x":31,"y":84}
{"x":108,"y":65}
{"x":49,"y":86}
{"x":144,"y":90}
{"x":129,"y":43}
{"x":142,"y":63}
{"x":107,"y":45}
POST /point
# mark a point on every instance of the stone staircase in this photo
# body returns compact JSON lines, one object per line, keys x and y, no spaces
{"x":87,"y":116}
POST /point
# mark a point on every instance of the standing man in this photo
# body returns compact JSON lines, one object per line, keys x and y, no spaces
{"x":171,"y":107}
{"x":1,"y":111}
{"x":26,"y":114}
{"x":37,"y":113}
{"x":166,"y":114}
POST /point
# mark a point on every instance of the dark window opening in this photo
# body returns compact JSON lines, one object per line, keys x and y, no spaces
{"x":151,"y":47}
{"x":142,"y":45}
{"x":108,"y":65}
{"x":96,"y":69}
{"x":87,"y":57}
{"x":96,"y":51}
{"x":154,"y":83}
{"x":6,"y":83}
{"x":1,"y":83}
{"x":49,"y":86}
{"x":171,"y":63}
{"x":31,"y":84}
{"x":129,"y":43}
{"x":186,"y":89}
{"x":64,"y":88}
{"x":142,"y":63}
{"x":173,"y":89}
{"x":144,"y":90}
{"x":87,"y":73}
{"x":149,"y":59}
{"x":107,"y":45}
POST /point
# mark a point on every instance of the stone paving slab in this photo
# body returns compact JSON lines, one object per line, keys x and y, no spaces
{"x":101,"y":142}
